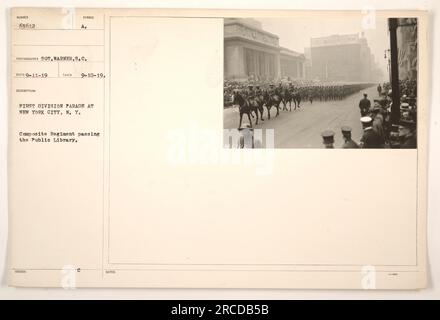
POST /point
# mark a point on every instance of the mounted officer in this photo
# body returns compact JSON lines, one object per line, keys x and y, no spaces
{"x":250,"y":92}
{"x":271,"y":90}
{"x":279,"y":89}
{"x":257,"y":90}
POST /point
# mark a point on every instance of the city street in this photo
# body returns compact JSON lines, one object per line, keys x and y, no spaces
{"x":302,"y":128}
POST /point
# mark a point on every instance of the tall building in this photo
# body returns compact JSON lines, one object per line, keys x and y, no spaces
{"x":344,"y":58}
{"x":250,"y":51}
{"x":377,"y":74}
{"x":365,"y":60}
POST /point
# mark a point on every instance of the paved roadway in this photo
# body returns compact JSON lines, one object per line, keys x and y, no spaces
{"x":302,"y":128}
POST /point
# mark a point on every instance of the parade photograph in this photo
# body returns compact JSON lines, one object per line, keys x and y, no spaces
{"x":321,"y":84}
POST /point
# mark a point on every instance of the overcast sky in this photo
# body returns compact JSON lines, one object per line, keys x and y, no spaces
{"x":295,"y":33}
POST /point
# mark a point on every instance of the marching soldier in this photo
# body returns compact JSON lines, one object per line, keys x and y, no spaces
{"x":348,"y":142}
{"x":328,"y":139}
{"x":310,"y":94}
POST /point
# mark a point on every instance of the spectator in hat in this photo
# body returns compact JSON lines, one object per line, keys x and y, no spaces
{"x":370,"y":139}
{"x":328,"y":139}
{"x":407,"y":134}
{"x":378,"y":124}
{"x":348,"y":142}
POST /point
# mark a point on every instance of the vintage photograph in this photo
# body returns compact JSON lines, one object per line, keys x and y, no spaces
{"x":320,"y":82}
{"x":126,"y":171}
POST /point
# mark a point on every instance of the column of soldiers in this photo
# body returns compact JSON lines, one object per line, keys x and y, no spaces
{"x":307,"y":90}
{"x":327,"y":92}
{"x":377,"y":131}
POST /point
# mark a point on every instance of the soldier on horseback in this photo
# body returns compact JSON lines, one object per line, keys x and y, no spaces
{"x":287,"y":97}
{"x":243,"y":106}
{"x":272,"y":98}
{"x":252,"y":102}
{"x":271,"y":89}
{"x":250,"y":91}
{"x":258,"y":94}
{"x":279,"y":89}
{"x":258,"y":91}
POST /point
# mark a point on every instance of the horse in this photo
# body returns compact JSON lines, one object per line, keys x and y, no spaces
{"x":254,"y":104}
{"x":296,"y":97}
{"x":286,"y":97}
{"x":243,"y":107}
{"x":259,"y":105}
{"x":272,"y":100}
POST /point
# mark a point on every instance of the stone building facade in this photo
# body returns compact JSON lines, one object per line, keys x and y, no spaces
{"x":292,"y":64}
{"x":344,"y":58}
{"x":251,"y":52}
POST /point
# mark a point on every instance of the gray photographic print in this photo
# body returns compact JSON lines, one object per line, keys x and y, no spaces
{"x":304,"y":83}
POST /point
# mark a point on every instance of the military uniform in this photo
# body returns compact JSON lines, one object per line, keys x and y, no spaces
{"x":250,"y":92}
{"x":257,"y":91}
{"x":310,"y":94}
{"x":365,"y":106}
{"x":370,"y":139}
{"x":349,"y":143}
{"x":271,"y":89}
{"x":328,"y":139}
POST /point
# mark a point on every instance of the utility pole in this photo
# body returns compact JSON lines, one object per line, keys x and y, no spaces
{"x":395,"y":108}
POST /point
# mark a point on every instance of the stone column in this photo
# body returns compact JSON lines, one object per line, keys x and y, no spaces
{"x":234,"y":62}
{"x":277,"y":66}
{"x":266,"y":65}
